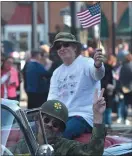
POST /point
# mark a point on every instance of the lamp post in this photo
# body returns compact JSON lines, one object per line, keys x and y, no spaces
{"x":114,"y":21}
{"x":73,"y":19}
{"x":34,"y":38}
{"x":46,"y":21}
{"x":130,"y":22}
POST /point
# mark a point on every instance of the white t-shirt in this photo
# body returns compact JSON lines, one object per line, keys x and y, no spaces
{"x":74,"y":85}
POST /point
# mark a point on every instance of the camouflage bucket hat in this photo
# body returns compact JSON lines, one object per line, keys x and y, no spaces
{"x":65,"y":37}
{"x":56,"y":109}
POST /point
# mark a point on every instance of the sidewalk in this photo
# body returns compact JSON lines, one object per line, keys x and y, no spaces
{"x":23,"y":97}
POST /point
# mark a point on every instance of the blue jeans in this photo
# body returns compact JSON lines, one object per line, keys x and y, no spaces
{"x":76,"y":126}
{"x":122,"y":110}
{"x":107,"y":116}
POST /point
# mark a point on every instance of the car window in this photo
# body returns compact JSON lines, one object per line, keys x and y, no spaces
{"x":12,"y":137}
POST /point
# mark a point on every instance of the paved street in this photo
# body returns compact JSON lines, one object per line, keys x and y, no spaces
{"x":23,"y":97}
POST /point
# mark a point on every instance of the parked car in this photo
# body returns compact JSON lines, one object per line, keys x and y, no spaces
{"x":17,"y":124}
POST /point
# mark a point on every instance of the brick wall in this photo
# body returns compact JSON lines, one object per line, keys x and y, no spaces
{"x":55,"y":19}
{"x":54,"y":14}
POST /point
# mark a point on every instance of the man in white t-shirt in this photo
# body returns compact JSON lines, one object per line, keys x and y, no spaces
{"x":74,"y":83}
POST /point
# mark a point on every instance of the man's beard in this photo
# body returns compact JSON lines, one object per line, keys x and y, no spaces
{"x":51,"y":135}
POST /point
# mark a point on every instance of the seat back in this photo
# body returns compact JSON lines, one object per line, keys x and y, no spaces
{"x":14,"y":136}
{"x":109,"y":140}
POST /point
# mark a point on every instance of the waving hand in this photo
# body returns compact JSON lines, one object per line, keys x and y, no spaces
{"x":99,"y":106}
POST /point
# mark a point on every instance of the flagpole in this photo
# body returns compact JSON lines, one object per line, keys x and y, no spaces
{"x":99,"y":40}
{"x":99,"y":37}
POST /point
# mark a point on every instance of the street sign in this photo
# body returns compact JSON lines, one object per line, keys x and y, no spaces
{"x":65,"y":11}
{"x":67,"y":20}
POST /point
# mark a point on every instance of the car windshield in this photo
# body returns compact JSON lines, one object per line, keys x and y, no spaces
{"x":11,"y":134}
{"x":34,"y":119}
{"x":7,"y":122}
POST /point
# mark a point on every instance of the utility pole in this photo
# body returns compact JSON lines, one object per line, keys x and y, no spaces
{"x":114,"y":21}
{"x":34,"y":38}
{"x":46,"y":21}
{"x":82,"y":35}
{"x":73,"y":18}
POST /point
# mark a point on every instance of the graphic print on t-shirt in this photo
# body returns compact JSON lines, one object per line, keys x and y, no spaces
{"x":67,"y":85}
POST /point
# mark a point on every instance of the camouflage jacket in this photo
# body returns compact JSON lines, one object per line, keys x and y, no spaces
{"x":65,"y":147}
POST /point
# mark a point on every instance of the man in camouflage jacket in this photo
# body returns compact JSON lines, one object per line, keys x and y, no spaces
{"x":55,"y":115}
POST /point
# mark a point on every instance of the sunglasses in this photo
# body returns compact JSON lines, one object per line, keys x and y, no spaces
{"x":55,"y":123}
{"x":60,"y":44}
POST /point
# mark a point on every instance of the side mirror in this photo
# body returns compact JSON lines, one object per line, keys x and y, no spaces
{"x":45,"y":150}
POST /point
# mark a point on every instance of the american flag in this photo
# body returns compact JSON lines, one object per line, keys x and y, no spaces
{"x":91,"y":16}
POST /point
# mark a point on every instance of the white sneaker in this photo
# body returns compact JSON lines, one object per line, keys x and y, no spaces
{"x":127,"y":122}
{"x":119,"y":120}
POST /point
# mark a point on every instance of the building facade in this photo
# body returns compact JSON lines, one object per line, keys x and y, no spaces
{"x":17,"y":21}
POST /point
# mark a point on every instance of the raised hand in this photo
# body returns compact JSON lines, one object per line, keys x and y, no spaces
{"x":98,"y":58}
{"x":99,"y":106}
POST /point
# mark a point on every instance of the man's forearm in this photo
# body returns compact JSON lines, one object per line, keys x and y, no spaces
{"x":98,"y":119}
{"x":95,"y":146}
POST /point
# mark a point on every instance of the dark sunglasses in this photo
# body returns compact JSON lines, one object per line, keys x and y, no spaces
{"x":60,"y":44}
{"x":55,"y":123}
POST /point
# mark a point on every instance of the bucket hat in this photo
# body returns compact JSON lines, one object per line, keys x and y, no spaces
{"x":65,"y":37}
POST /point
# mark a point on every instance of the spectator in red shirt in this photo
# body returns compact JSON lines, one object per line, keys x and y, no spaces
{"x":9,"y":79}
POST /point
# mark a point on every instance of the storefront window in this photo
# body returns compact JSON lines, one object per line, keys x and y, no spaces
{"x":23,"y":42}
{"x":12,"y":36}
